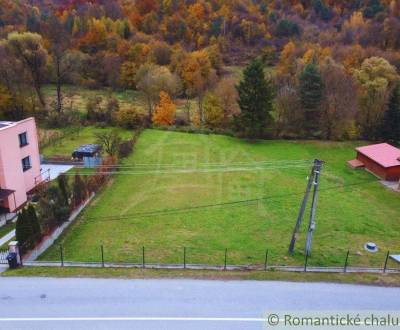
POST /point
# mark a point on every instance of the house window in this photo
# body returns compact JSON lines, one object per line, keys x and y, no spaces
{"x":23,"y":139}
{"x":26,"y":163}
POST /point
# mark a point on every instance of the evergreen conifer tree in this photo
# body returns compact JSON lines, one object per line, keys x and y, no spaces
{"x":311,"y":91}
{"x":34,"y":223}
{"x":255,"y":101}
{"x":390,"y":128}
{"x":23,"y":231}
{"x":63,"y":186}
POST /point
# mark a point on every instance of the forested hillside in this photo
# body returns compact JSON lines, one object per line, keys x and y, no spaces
{"x":331,"y":66}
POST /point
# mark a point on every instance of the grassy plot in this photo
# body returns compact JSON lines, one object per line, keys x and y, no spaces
{"x":4,"y":230}
{"x":73,"y":139}
{"x":208,"y":193}
{"x":76,"y":97}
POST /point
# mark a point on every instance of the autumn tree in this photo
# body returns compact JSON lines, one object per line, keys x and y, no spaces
{"x":17,"y":90}
{"x":5,"y":102}
{"x":152,"y":79}
{"x":339,"y":106}
{"x":288,"y":114}
{"x":311,"y":91}
{"x":213,"y":111}
{"x":197,"y":75}
{"x":164,"y":113}
{"x":227,"y":95}
{"x":28,"y":48}
{"x":255,"y":101}
{"x":59,"y":45}
{"x":375,"y":78}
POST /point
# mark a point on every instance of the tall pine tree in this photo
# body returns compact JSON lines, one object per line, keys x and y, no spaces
{"x":23,"y":231}
{"x":311,"y":91}
{"x":64,"y":188}
{"x":390,"y":128}
{"x":255,"y":101}
{"x":34,"y":223}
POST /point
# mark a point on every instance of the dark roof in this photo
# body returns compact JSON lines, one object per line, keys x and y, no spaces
{"x":4,"y":193}
{"x":86,"y":150}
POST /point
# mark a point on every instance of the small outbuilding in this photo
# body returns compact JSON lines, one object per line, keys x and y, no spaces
{"x":90,"y":154}
{"x":381,"y":159}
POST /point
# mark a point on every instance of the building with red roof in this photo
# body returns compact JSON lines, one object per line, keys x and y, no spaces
{"x":381,"y":159}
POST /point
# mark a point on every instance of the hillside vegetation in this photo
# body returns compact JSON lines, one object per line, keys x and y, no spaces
{"x":332,"y":66}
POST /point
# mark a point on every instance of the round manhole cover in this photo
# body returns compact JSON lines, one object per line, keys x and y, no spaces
{"x":371,"y":247}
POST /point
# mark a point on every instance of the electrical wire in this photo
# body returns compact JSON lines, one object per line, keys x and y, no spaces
{"x":191,"y":208}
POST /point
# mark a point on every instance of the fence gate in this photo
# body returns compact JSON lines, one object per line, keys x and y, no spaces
{"x":3,"y":256}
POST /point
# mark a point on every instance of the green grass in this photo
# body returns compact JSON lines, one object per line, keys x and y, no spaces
{"x":4,"y":230}
{"x":86,"y":135}
{"x":370,"y":279}
{"x":353,"y":206}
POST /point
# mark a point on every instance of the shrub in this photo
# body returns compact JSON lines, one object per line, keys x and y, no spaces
{"x":129,"y":118}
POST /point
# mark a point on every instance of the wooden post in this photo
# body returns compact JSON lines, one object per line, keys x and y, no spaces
{"x":62,"y":255}
{"x":346,"y":262}
{"x":143,"y":260}
{"x":266,"y":260}
{"x":386,"y":262}
{"x":102,"y":256}
{"x":226,"y":253}
{"x":184,"y":257}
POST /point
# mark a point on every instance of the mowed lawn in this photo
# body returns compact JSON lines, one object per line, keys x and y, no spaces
{"x":209,"y":193}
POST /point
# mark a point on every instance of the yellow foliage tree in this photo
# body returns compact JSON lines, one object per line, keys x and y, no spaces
{"x":164,"y":114}
{"x":287,"y":63}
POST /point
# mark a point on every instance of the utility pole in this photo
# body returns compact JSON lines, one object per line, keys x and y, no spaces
{"x":311,"y":225}
{"x":313,"y":182}
{"x":302,"y":209}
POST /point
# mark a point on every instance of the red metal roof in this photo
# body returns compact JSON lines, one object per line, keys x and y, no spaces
{"x":384,"y":154}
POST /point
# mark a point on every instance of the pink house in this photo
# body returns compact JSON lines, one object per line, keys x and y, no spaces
{"x":19,"y":162}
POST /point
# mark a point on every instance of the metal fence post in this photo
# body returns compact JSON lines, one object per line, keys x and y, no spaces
{"x":102,"y":256}
{"x":226,"y":254}
{"x":346,"y":262}
{"x":305,"y":262}
{"x":386,"y":262}
{"x":62,"y":255}
{"x":184,"y":257}
{"x":266,"y":260}
{"x":143,"y":260}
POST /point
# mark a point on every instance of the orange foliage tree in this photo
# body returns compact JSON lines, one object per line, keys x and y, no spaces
{"x":164,"y":114}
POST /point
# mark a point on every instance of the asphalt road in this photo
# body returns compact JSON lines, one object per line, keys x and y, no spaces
{"x":47,"y":303}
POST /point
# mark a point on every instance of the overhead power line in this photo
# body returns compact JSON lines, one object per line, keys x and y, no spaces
{"x":232,"y":203}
